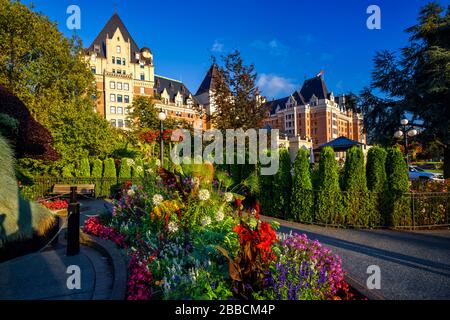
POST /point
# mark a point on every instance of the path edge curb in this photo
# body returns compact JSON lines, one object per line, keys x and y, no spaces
{"x":115,"y":258}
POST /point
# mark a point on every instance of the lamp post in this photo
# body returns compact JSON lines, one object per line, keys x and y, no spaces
{"x":162,"y":117}
{"x":404,"y":133}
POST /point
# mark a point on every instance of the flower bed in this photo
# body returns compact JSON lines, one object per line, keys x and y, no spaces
{"x":55,"y":205}
{"x":188,"y":237}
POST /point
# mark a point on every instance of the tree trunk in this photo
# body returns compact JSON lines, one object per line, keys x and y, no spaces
{"x":447,"y":161}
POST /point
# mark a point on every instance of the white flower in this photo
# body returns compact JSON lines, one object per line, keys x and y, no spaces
{"x":157,"y":199}
{"x":204,"y":195}
{"x":139,"y":169}
{"x":130,"y":162}
{"x":220,"y":215}
{"x":173,"y":227}
{"x":158,"y":163}
{"x":150,"y":171}
{"x":228,"y":197}
{"x":195,"y":182}
{"x":206,"y":221}
{"x":131,"y":193}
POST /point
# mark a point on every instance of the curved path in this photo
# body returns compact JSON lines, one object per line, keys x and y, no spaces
{"x":413,"y":264}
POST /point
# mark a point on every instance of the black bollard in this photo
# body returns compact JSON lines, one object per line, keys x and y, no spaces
{"x":73,"y":224}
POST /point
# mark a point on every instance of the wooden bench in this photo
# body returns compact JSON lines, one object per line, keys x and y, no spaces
{"x":82,"y":189}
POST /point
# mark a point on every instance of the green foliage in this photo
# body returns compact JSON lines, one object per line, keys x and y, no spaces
{"x":398,"y":210}
{"x":109,"y":174}
{"x":19,"y":219}
{"x":68,"y":171}
{"x":282,"y":185}
{"x":328,"y":202}
{"x":125,"y":168}
{"x":97,"y":172}
{"x":302,"y":201}
{"x":85,"y":169}
{"x":138,"y":169}
{"x":377,"y":182}
{"x":144,"y":109}
{"x":9,"y":126}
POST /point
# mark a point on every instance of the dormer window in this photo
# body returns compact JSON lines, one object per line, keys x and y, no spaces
{"x":96,"y":48}
{"x":137,"y":56}
{"x":118,"y":49}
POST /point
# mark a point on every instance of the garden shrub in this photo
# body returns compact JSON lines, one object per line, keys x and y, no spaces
{"x":68,"y":171}
{"x":398,"y":205}
{"x":302,"y":201}
{"x":282,"y":186}
{"x":97,"y":172}
{"x":125,"y":168}
{"x":376,"y":182}
{"x":85,"y":169}
{"x":109,"y":175}
{"x":138,"y":169}
{"x":357,"y":208}
{"x":328,"y":199}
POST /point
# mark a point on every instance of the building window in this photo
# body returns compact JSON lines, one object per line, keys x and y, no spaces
{"x":126,"y":86}
{"x":118,"y":49}
{"x":112,"y":98}
{"x":113,"y":122}
{"x":119,"y":98}
{"x":113,"y":60}
{"x":112,"y":85}
{"x":112,"y":110}
{"x":119,"y":85}
{"x":142,"y":76}
{"x":142,"y":90}
{"x":120,"y":123}
{"x":97,"y":48}
{"x":119,"y":110}
{"x":94,"y":70}
{"x":114,"y":71}
{"x":119,"y":71}
{"x":142,"y":65}
{"x":124,"y":72}
{"x":126,"y":99}
{"x":123,"y":61}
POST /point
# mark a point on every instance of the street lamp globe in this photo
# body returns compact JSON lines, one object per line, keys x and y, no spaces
{"x":398,"y":134}
{"x":412,"y":133}
{"x":162,"y":116}
{"x":404,"y":122}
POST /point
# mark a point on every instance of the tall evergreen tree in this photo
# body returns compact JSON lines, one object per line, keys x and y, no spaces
{"x":302,"y":202}
{"x":97,"y":173}
{"x":84,"y":171}
{"x":282,"y":186}
{"x":109,"y":177}
{"x":377,"y":181}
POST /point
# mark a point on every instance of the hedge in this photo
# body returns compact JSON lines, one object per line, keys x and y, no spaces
{"x":302,"y":197}
{"x":283,"y":185}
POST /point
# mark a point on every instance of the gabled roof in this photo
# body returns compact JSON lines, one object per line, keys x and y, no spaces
{"x":314,"y":86}
{"x":108,"y":32}
{"x":299,"y":98}
{"x":208,"y":82}
{"x":172,"y":87}
{"x":340,"y":144}
{"x":273,"y":105}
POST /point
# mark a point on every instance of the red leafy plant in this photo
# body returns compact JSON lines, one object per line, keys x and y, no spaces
{"x":248,"y":270}
{"x":93,"y":226}
{"x":56,"y":205}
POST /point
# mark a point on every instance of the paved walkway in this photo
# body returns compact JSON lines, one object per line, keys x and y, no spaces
{"x":414,"y":265}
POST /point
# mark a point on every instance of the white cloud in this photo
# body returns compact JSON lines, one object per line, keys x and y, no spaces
{"x":274,"y":47}
{"x":217,"y":47}
{"x":273,"y":86}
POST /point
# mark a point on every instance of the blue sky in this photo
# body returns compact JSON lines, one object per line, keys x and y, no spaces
{"x":286,"y":40}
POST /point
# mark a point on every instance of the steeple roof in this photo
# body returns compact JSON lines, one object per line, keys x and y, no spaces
{"x":208,"y":81}
{"x":314,"y":86}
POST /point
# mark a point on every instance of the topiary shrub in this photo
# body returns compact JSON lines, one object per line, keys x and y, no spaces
{"x":19,"y":219}
{"x":138,"y":169}
{"x":109,"y":177}
{"x":398,"y":205}
{"x":357,"y":205}
{"x":68,"y":171}
{"x":125,"y":168}
{"x":282,"y":186}
{"x":377,"y":182}
{"x":328,"y":200}
{"x":97,"y":172}
{"x":302,"y":202}
{"x":84,"y":170}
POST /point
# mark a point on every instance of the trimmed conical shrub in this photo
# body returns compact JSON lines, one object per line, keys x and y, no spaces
{"x":302,"y":201}
{"x":328,"y":204}
{"x":109,"y":176}
{"x":97,"y":172}
{"x":138,"y":169}
{"x":68,"y":171}
{"x":398,"y":205}
{"x":283,"y":186}
{"x":377,"y":182}
{"x":85,"y":169}
{"x":125,"y":168}
{"x":356,"y":196}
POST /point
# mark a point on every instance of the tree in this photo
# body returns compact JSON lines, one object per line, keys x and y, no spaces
{"x":125,"y":168}
{"x":302,"y":202}
{"x":398,"y":184}
{"x":416,"y":83}
{"x":109,"y":175}
{"x":329,"y":207}
{"x":84,"y":170}
{"x":282,"y":186}
{"x":354,"y":183}
{"x":376,"y":181}
{"x":144,"y":115}
{"x":236,"y":97}
{"x":97,"y":172}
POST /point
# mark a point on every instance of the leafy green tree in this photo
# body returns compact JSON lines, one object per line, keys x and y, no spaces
{"x":125,"y":168}
{"x":358,"y":207}
{"x":399,"y":211}
{"x":144,"y":115}
{"x":97,"y":172}
{"x":109,"y":176}
{"x":376,"y":181}
{"x":282,"y":186}
{"x":237,"y":100}
{"x":328,"y":203}
{"x":85,"y":169}
{"x":68,"y":171}
{"x":414,"y":83}
{"x":302,"y":202}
